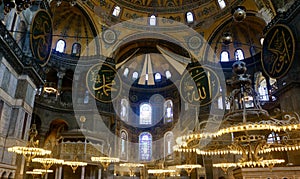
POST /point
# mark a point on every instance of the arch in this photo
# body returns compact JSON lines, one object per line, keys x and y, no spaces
{"x":3,"y":175}
{"x":11,"y":175}
{"x":53,"y":135}
{"x":145,"y":146}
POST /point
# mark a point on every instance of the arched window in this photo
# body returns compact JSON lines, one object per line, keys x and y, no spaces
{"x":239,"y":54}
{"x":157,"y":77}
{"x":124,"y":110}
{"x":145,"y":114}
{"x":152,"y":20}
{"x":145,"y":146}
{"x":126,"y":72}
{"x":169,"y":142}
{"x":135,"y":75}
{"x":76,"y":49}
{"x":168,"y":74}
{"x":222,"y":4}
{"x":60,"y":46}
{"x":116,"y":11}
{"x":123,"y":145}
{"x":189,"y":17}
{"x":225,"y":56}
{"x":263,"y":90}
{"x":168,"y":111}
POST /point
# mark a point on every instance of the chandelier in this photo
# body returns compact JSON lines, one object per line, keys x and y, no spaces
{"x":131,"y":166}
{"x":48,"y":162}
{"x":105,"y":161}
{"x":31,"y":150}
{"x":244,"y":130}
{"x":74,"y":164}
{"x":188,"y":167}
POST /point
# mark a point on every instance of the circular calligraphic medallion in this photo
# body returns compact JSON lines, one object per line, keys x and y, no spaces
{"x":103,"y":82}
{"x":109,"y":36}
{"x":195,"y":42}
{"x":199,"y":85}
{"x":278,"y":51}
{"x":41,"y":37}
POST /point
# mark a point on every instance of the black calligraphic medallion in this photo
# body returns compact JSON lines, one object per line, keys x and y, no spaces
{"x":103,"y":82}
{"x":199,"y":86}
{"x":278,"y":51}
{"x":41,"y":36}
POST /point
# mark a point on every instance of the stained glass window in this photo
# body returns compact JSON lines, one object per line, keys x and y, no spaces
{"x":145,"y":146}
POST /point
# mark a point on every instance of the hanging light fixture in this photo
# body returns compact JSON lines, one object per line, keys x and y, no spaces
{"x":74,"y":164}
{"x":105,"y":161}
{"x":239,"y":13}
{"x":48,"y":162}
{"x":245,"y":129}
{"x":31,"y":150}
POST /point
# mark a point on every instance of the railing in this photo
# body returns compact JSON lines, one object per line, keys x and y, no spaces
{"x":26,"y":61}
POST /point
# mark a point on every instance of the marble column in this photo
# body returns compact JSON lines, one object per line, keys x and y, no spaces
{"x":82,"y":172}
{"x":99,"y":173}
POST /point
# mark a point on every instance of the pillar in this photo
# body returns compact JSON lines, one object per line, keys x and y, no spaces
{"x":82,"y":172}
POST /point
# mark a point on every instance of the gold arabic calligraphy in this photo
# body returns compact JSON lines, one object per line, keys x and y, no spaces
{"x":280,"y":48}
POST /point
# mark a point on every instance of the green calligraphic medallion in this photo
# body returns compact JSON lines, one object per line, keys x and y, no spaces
{"x":103,"y":82}
{"x":278,"y":51}
{"x":41,"y":36}
{"x":199,"y":86}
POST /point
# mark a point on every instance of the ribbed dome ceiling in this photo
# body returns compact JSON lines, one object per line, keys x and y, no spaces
{"x":71,"y":25}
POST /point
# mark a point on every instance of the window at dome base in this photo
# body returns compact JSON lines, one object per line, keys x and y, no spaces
{"x":239,"y":54}
{"x":189,"y":17}
{"x":152,"y":20}
{"x":76,"y":49}
{"x":116,"y":11}
{"x":225,"y":56}
{"x":60,"y":46}
{"x":222,"y":4}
